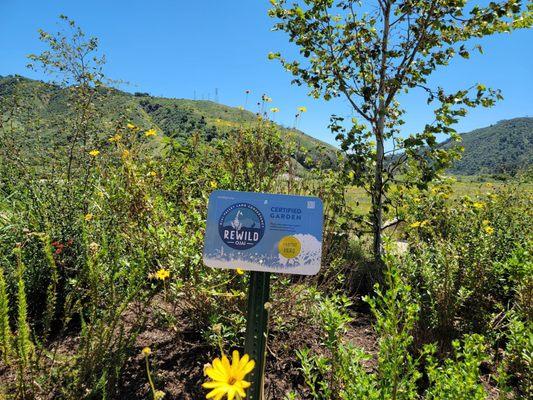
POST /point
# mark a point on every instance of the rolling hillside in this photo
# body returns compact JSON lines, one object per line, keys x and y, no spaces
{"x":47,"y":106}
{"x":505,"y":147}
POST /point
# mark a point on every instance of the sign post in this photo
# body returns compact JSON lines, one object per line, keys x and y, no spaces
{"x":262,"y":233}
{"x":257,"y":330}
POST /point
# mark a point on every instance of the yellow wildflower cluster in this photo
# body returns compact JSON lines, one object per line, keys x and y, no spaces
{"x":228,"y":378}
{"x":419,"y":224}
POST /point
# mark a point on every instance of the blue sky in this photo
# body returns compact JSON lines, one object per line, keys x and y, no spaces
{"x":179,"y":48}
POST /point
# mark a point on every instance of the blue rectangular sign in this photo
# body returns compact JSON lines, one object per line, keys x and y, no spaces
{"x":264,"y":232}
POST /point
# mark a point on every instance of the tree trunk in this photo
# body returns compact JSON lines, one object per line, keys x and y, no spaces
{"x":377,"y":198}
{"x":379,"y":133}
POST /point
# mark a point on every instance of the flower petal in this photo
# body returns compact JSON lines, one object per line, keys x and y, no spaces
{"x":226,"y":365}
{"x":245,"y":384}
{"x":249,"y":367}
{"x":231,"y":393}
{"x":215,"y":374}
{"x":219,"y":392}
{"x":219,"y":366}
{"x":212,"y":384}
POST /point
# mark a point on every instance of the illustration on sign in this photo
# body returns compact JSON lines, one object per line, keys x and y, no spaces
{"x":264,"y":232}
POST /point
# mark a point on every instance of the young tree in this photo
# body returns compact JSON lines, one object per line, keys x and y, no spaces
{"x":370,"y":55}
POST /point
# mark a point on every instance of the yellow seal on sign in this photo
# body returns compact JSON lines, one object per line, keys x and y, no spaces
{"x":289,"y":247}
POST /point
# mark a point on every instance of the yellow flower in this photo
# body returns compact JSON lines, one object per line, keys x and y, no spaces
{"x":274,"y":110}
{"x":125,"y":153}
{"x":489,"y":230}
{"x":213,"y":184}
{"x":152,"y":173}
{"x":162,"y":274}
{"x":478,"y":205}
{"x":239,"y":271}
{"x":419,"y":224}
{"x":88,"y":217}
{"x":131,"y":126}
{"x":146,"y":351}
{"x":228,"y":379}
{"x":94,"y":153}
{"x":150,"y":132}
{"x":115,"y":138}
{"x":302,"y":109}
{"x":159,"y":394}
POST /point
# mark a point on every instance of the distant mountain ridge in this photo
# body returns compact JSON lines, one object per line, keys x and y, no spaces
{"x":176,"y":118}
{"x":502,"y":148}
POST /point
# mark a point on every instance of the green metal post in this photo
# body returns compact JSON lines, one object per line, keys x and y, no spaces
{"x":257,"y":331}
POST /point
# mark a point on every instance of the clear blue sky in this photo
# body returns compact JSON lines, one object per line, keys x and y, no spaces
{"x":179,"y":48}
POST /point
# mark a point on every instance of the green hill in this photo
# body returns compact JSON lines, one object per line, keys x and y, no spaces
{"x":47,"y":106}
{"x":502,"y":148}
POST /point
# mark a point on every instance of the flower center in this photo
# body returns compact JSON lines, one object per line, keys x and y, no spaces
{"x":232,"y":380}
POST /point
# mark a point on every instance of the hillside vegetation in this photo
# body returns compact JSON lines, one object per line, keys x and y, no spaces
{"x":175,"y":118}
{"x":502,"y":148}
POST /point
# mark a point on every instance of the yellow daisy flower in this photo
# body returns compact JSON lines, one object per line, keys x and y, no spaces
{"x":239,"y":271}
{"x":88,"y":217}
{"x":228,"y":379}
{"x":159,"y":394}
{"x":489,"y":230}
{"x":478,"y":205}
{"x":146,"y":351}
{"x":302,"y":109}
{"x":150,"y":132}
{"x":94,"y":153}
{"x":162,"y":274}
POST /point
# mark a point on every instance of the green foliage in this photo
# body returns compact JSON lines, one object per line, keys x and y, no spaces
{"x":517,"y":363}
{"x":457,"y":378}
{"x":5,"y":330}
{"x":24,"y":344}
{"x":468,"y":258}
{"x":341,"y":374}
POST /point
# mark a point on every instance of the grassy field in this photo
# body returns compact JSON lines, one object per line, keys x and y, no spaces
{"x":463,"y":186}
